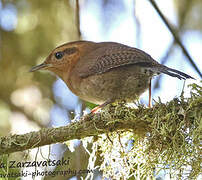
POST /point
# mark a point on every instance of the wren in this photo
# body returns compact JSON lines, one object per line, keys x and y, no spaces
{"x":105,"y":72}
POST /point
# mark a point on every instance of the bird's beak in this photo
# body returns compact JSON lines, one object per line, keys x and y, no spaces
{"x":40,"y":66}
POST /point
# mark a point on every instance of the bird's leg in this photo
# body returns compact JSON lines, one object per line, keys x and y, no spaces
{"x":150,"y":93}
{"x":94,"y":110}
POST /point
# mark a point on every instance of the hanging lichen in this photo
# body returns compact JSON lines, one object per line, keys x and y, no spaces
{"x":167,"y":141}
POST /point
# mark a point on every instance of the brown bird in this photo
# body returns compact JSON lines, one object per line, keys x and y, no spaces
{"x":105,"y":72}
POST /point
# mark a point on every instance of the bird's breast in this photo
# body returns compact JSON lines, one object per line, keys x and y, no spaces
{"x":123,"y":83}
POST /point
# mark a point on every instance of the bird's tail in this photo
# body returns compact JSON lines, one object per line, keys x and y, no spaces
{"x":159,"y":68}
{"x":173,"y":72}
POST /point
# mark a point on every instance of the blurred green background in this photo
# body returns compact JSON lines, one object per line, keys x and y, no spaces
{"x":29,"y":30}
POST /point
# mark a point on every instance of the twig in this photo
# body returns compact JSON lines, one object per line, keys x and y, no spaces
{"x":78,"y":19}
{"x":177,"y":39}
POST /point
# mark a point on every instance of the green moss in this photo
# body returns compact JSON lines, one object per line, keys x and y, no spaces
{"x":166,"y":138}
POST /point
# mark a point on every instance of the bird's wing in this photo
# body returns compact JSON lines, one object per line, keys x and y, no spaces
{"x":113,"y":55}
{"x":110,"y":56}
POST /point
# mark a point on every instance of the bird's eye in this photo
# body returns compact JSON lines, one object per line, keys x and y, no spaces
{"x":59,"y":55}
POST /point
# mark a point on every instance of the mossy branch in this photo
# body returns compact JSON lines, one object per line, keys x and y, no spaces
{"x":142,"y":120}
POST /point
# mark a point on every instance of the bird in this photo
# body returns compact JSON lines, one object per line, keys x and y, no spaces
{"x":105,"y":72}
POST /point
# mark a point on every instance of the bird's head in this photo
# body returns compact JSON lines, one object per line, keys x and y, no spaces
{"x":64,"y":58}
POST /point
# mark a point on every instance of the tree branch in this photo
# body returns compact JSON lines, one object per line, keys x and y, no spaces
{"x":112,"y":118}
{"x":89,"y":125}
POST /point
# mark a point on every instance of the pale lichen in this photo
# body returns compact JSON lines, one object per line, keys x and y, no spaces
{"x":167,"y":138}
